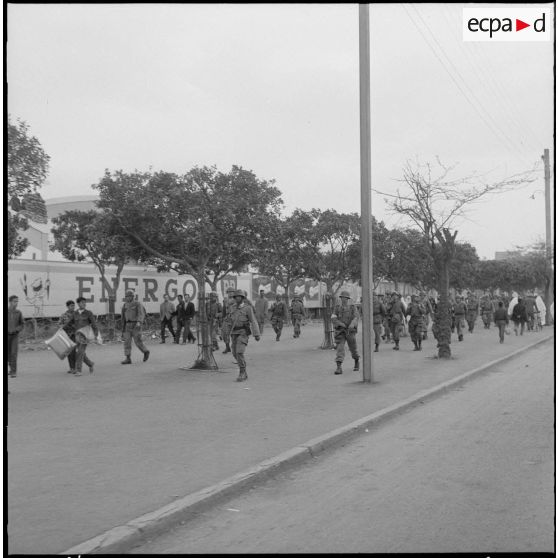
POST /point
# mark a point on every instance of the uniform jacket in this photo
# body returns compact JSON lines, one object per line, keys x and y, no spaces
{"x":133,"y":312}
{"x":261,"y":306}
{"x":279,"y":309}
{"x":345,"y":316}
{"x":378,"y":312}
{"x":460,"y":309}
{"x":243,"y":318}
{"x":416,"y":311}
{"x":501,"y":314}
{"x":297,"y":307}
{"x":397,"y":311}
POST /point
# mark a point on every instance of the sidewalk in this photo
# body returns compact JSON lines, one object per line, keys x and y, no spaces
{"x":89,"y":453}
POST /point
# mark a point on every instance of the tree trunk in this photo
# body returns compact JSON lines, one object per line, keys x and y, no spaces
{"x":547,"y":300}
{"x":442,"y":319}
{"x":328,"y":342}
{"x":205,"y":360}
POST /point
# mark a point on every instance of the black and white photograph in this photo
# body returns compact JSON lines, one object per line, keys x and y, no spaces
{"x":339,"y":220}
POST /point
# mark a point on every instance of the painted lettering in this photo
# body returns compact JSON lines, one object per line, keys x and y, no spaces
{"x":127,"y":281}
{"x":150,"y":286}
{"x":83,"y":290}
{"x":106,"y":288}
{"x":172,"y":294}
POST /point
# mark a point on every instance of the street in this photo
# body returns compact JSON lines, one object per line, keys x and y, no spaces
{"x":472,"y":471}
{"x":88,"y":454}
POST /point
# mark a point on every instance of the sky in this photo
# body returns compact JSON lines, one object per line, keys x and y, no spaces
{"x":275,"y":89}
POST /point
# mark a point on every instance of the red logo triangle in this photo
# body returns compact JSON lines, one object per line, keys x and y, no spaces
{"x":519,"y":25}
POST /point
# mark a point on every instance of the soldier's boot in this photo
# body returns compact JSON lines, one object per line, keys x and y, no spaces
{"x":420,"y":344}
{"x":242,"y":376}
{"x":227,"y":348}
{"x":356,"y":367}
{"x":376,"y":347}
{"x":424,"y":336}
{"x":338,"y":370}
{"x":416,"y":345}
{"x":127,"y":360}
{"x":460,"y":337}
{"x":396,"y":347}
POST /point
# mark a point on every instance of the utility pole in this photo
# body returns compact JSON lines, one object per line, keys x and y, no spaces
{"x":549,"y":258}
{"x":365,"y":191}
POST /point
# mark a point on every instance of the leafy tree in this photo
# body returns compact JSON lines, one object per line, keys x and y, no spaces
{"x":94,"y":235}
{"x":206,"y":223}
{"x":27,"y":170}
{"x":434,"y":203}
{"x":283,"y":255}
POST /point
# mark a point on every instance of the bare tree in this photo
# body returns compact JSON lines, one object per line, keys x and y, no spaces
{"x":434,"y":203}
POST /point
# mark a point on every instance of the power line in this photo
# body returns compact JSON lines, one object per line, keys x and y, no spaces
{"x":479,"y":104}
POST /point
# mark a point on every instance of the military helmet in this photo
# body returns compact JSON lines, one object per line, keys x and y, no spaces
{"x":344,"y":294}
{"x":239,"y":292}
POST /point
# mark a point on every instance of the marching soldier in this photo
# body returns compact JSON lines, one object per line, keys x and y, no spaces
{"x":297,"y":313}
{"x":396,"y":317}
{"x":416,"y":311}
{"x":487,"y":310}
{"x":472,"y":311}
{"x":243,"y":323}
{"x":261,"y":306}
{"x":387,"y":319}
{"x":278,"y":315}
{"x":459,"y":312}
{"x":133,"y":315}
{"x":226,"y":328}
{"x":214,"y":313}
{"x":378,"y":315}
{"x":428,"y":316}
{"x":345,"y":320}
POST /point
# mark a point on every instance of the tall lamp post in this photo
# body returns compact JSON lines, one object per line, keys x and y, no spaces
{"x":365,"y":191}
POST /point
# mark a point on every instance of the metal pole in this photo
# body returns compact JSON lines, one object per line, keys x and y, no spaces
{"x":546,"y":159}
{"x":365,"y":191}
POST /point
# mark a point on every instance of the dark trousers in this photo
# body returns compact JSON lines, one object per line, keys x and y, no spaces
{"x":72,"y":355}
{"x":11,"y":352}
{"x":501,"y":324}
{"x":167,"y":322}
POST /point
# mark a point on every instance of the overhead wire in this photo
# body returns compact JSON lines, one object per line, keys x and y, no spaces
{"x":479,"y":105}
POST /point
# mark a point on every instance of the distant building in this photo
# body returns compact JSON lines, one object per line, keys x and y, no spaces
{"x":39,"y":235}
{"x":506,"y":255}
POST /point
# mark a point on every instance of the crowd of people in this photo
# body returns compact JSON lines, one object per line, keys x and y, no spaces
{"x":237,"y":318}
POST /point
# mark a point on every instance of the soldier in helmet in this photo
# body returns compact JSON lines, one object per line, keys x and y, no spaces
{"x":243,"y":323}
{"x":226,"y":327}
{"x":472,"y":310}
{"x":487,"y":310}
{"x":378,"y":315}
{"x":416,"y":311}
{"x":214,"y":312}
{"x":396,"y":318}
{"x":278,"y":315}
{"x":459,"y":312}
{"x":297,"y":313}
{"x":345,"y":321}
{"x":133,"y":315}
{"x":261,"y":306}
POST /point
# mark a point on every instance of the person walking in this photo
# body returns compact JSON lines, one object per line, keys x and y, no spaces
{"x":180,"y":320}
{"x":15,"y":325}
{"x":416,"y":311}
{"x":243,"y":323}
{"x":279,"y":314}
{"x":519,"y":316}
{"x":214,"y":312}
{"x":228,"y":304}
{"x":66,"y":322}
{"x":189,"y":313}
{"x":345,"y":322}
{"x":83,"y":318}
{"x":297,"y":314}
{"x":459,"y":312}
{"x":387,"y":319}
{"x":472,"y":311}
{"x":166,"y":312}
{"x":133,"y":315}
{"x":261,"y":307}
{"x":487,"y":310}
{"x":501,"y":320}
{"x":396,"y":318}
{"x":378,"y":315}
{"x":530,"y":309}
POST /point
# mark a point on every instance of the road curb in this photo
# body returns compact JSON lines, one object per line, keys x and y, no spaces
{"x":122,"y":538}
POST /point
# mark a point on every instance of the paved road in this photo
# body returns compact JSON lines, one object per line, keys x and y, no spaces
{"x":472,"y":471}
{"x":88,"y":454}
